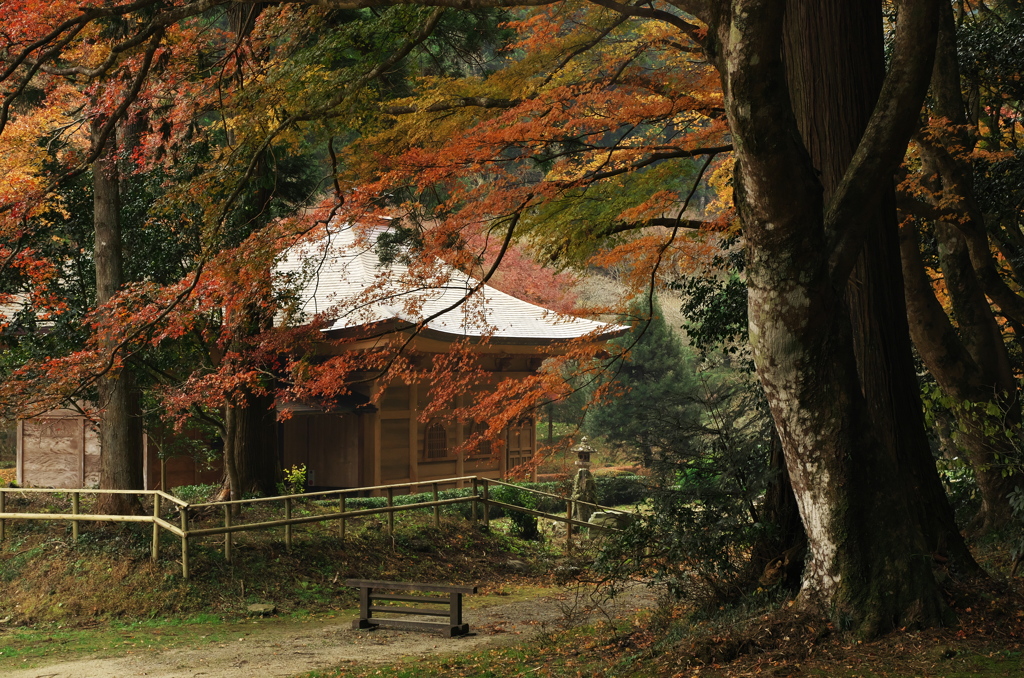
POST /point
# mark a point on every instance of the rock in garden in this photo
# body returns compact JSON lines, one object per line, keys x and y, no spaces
{"x":262,"y":609}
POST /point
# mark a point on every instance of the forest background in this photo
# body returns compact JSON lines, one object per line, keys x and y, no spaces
{"x":833,"y":181}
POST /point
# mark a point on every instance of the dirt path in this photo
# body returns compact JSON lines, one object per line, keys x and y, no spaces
{"x":291,"y":648}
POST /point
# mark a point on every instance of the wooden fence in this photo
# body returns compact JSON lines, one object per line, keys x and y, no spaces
{"x":479,"y":498}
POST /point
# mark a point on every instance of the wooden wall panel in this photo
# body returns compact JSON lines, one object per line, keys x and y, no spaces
{"x":333,"y":459}
{"x":295,"y":450}
{"x":394,"y":450}
{"x":52,"y":452}
{"x":477,"y":464}
{"x":328,"y":445}
{"x":396,"y":398}
{"x":437,"y":469}
{"x":178,"y":471}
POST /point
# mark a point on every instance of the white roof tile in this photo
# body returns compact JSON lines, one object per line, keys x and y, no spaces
{"x":342,"y":278}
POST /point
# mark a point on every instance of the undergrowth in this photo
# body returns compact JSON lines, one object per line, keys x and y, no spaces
{"x":107,"y":574}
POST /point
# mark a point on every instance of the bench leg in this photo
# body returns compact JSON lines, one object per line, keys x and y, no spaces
{"x":364,"y":610}
{"x":455,"y":615}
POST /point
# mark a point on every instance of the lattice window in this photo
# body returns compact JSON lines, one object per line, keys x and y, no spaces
{"x":485,"y":447}
{"x":437,"y":441}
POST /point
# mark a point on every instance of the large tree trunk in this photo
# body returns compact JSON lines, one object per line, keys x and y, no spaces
{"x":865,"y":540}
{"x":835,"y":70}
{"x":251,"y":450}
{"x":120,"y":428}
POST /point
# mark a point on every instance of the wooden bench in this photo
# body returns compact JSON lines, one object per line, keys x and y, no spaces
{"x":368,"y":596}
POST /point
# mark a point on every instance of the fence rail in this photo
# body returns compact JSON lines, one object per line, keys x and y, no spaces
{"x":479,"y":498}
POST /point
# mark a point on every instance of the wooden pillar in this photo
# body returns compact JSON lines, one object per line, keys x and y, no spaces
{"x":414,"y":436}
{"x":391,"y":514}
{"x":460,"y":437}
{"x":375,"y":448}
{"x":155,"y":549}
{"x":437,"y":509}
{"x":227,"y":535}
{"x":341,"y":521}
{"x":20,"y":447}
{"x":184,"y":542}
{"x":487,"y":505}
{"x":75,"y":498}
{"x":81,"y":451}
{"x":288,"y":528}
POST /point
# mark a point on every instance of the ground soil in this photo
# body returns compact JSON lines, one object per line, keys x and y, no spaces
{"x":290,"y":647}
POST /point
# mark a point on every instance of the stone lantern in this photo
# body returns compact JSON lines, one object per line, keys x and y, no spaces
{"x":583,"y":451}
{"x":584,"y":488}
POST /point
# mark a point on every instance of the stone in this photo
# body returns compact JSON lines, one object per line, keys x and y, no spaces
{"x":262,"y":609}
{"x":613,"y":519}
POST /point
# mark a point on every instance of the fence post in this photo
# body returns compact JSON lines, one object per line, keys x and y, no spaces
{"x":227,"y":535}
{"x":391,"y":514}
{"x":288,"y":527}
{"x":341,"y":523}
{"x":74,"y":512}
{"x":155,"y":550}
{"x":568,"y":522}
{"x":3,"y":509}
{"x":487,"y":505}
{"x":474,"y":498}
{"x":184,"y":541}
{"x":437,"y":509}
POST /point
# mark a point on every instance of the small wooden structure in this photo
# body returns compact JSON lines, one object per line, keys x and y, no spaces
{"x":61,"y":449}
{"x":58,"y":449}
{"x":452,"y":598}
{"x":377,"y":434}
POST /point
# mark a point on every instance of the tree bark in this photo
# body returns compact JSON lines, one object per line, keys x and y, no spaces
{"x":835,"y":69}
{"x":251,"y":451}
{"x":120,"y":428}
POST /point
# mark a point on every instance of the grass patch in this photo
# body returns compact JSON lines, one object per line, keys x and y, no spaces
{"x":107,"y":574}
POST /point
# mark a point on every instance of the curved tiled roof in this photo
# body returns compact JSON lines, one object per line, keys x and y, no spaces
{"x":341,"y":277}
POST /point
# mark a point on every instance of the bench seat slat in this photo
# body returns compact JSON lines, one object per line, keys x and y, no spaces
{"x":409,"y":599}
{"x":409,"y":610}
{"x":409,"y":586}
{"x":406,"y":625}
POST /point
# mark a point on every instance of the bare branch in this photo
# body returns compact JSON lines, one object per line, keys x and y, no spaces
{"x":657,"y":157}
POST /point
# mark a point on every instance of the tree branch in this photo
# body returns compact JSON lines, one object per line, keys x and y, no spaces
{"x":682,"y":24}
{"x":663,"y":222}
{"x":452,"y":104}
{"x":656,"y":157}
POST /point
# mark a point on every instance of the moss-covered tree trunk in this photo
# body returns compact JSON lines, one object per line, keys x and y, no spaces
{"x":865,"y":540}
